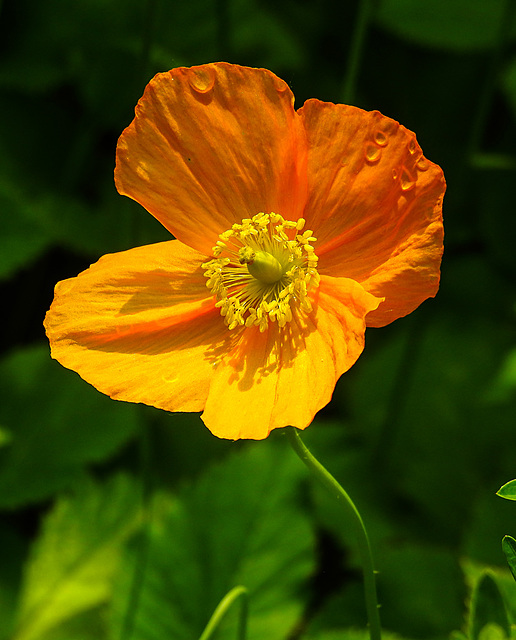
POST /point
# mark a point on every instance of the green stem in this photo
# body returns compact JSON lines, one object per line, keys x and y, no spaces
{"x":222,"y":609}
{"x":356,"y":50}
{"x":364,"y":547}
{"x":149,"y":23}
{"x":486,"y":96}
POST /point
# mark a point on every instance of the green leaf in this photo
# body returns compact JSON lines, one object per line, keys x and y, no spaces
{"x":350,"y":634}
{"x":497,"y":224}
{"x":493,"y":161}
{"x":89,"y":625}
{"x":509,"y":84}
{"x":72,"y":563}
{"x":488,"y":616}
{"x":508,"y":490}
{"x":259,"y":33}
{"x":57,"y":423}
{"x":23,"y":236}
{"x":239,"y":525}
{"x":454,"y":25}
{"x":509,"y":548}
{"x":503,"y":385}
{"x":473,"y":572}
{"x":5,"y":437}
{"x":421,"y":590}
{"x":431,"y":430}
{"x":13,"y":551}
{"x":492,"y":631}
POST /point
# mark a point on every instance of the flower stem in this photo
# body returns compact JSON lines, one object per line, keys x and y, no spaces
{"x":356,"y":49}
{"x":360,"y":531}
{"x":486,"y":95}
{"x":222,"y":609}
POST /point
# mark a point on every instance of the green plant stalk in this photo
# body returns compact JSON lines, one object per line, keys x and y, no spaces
{"x":222,"y":609}
{"x":487,"y":92}
{"x":364,"y":547}
{"x":356,"y":49}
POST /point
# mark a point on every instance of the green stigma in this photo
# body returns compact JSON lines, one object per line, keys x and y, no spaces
{"x":262,"y":265}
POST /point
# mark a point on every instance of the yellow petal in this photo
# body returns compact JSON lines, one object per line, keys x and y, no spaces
{"x":375,"y":205}
{"x":211,"y":145}
{"x":284,"y":376}
{"x":141,"y":326}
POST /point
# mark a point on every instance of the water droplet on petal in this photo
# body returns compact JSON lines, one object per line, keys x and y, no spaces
{"x":380,"y":138}
{"x":372,"y":153}
{"x":407,"y":182}
{"x":389,"y":127}
{"x":422,"y":164}
{"x":394,"y":174}
{"x":412,"y":146}
{"x":280,"y":85}
{"x":201,"y":79}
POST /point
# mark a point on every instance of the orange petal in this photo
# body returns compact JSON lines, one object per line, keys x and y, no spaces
{"x":284,"y":376}
{"x":375,"y":205}
{"x":211,"y":145}
{"x":141,"y":326}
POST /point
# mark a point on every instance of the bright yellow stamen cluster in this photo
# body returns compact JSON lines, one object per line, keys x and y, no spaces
{"x":261,"y":269}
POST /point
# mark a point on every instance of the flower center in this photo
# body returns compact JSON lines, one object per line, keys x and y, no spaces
{"x":262,"y":269}
{"x":262,"y":265}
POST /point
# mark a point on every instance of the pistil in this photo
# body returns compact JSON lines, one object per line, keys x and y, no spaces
{"x":262,"y":265}
{"x":263,"y":269}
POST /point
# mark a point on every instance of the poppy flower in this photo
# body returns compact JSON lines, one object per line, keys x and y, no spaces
{"x":293,"y":231}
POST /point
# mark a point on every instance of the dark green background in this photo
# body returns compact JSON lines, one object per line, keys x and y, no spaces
{"x":422,"y":431}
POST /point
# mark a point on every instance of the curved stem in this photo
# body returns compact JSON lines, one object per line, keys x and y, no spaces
{"x":222,"y":609}
{"x":360,"y":531}
{"x":356,"y":50}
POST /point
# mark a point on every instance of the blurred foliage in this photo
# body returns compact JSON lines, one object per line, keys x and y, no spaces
{"x":120,"y":521}
{"x":488,"y":615}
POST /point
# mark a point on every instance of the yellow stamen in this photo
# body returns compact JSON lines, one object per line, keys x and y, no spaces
{"x":262,"y":269}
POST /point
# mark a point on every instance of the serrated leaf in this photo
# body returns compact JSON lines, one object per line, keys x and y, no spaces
{"x":239,"y":525}
{"x":509,"y":548}
{"x":488,"y":614}
{"x":57,"y":423}
{"x":72,"y":563}
{"x":508,"y":490}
